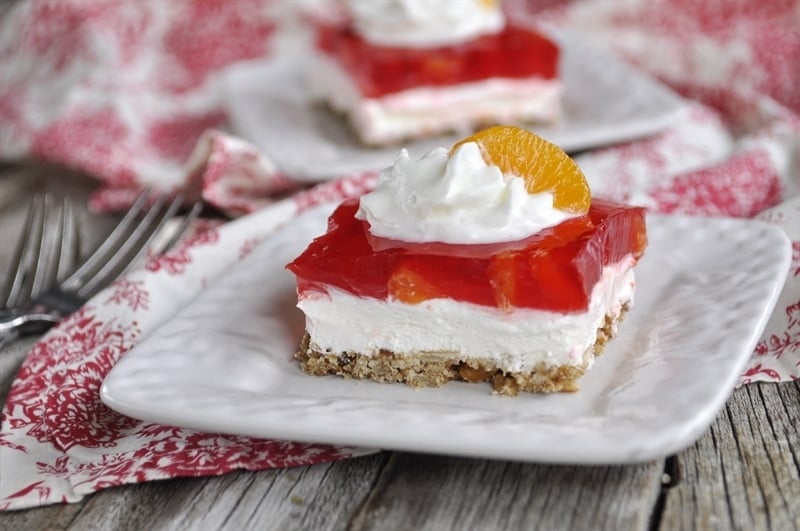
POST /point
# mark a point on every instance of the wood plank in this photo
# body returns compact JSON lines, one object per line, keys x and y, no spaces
{"x":52,"y":517}
{"x":743,"y":473}
{"x":435,"y":492}
{"x":344,"y":488}
{"x":314,"y":497}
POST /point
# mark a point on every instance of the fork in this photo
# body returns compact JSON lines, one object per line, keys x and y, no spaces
{"x":40,"y":258}
{"x":129,"y":238}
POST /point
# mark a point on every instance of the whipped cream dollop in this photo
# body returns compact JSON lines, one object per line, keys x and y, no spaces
{"x":424,"y":23}
{"x":455,"y":199}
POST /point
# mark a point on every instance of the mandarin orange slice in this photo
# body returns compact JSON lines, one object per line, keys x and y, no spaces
{"x":544,"y":166}
{"x":411,"y":287}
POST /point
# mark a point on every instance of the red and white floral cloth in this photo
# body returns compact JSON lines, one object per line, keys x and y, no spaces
{"x":128,"y":91}
{"x":59,"y":441}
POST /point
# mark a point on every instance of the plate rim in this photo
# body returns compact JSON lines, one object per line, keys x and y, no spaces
{"x":238,"y":78}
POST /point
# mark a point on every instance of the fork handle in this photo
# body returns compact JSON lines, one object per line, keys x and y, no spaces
{"x":23,"y":323}
{"x":58,"y":302}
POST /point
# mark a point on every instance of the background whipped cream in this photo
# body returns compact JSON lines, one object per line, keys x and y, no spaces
{"x":457,"y":199}
{"x":423,"y":23}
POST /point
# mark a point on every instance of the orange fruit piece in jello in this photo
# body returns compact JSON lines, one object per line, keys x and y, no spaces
{"x":411,"y":287}
{"x":544,"y":166}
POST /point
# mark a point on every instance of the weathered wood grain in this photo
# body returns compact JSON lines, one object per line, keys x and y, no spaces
{"x":437,"y":493}
{"x":314,"y":497}
{"x":743,"y":473}
{"x":51,"y":518}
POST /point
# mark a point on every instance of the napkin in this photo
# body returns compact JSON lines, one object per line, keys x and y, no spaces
{"x":130,"y":93}
{"x":59,"y":441}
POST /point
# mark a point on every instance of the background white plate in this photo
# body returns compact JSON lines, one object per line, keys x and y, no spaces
{"x":705,"y":289}
{"x":605,"y":101}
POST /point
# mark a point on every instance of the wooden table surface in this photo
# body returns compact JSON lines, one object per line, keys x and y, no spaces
{"x":743,"y":473}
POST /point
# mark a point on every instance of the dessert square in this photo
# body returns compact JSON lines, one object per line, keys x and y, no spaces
{"x":488,"y":262}
{"x":404,"y":69}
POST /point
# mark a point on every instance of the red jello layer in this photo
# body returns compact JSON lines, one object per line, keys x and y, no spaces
{"x":554,"y":270}
{"x":515,"y":52}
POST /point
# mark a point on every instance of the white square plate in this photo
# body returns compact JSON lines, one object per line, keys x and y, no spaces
{"x":605,"y":101}
{"x":705,"y":290}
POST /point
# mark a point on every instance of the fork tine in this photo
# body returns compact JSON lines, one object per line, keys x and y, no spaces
{"x":59,"y":250}
{"x":26,"y":255}
{"x":97,"y":258}
{"x":70,"y":241}
{"x":136,"y":243}
{"x":48,"y":252}
{"x":184,"y":224}
{"x":16,"y":257}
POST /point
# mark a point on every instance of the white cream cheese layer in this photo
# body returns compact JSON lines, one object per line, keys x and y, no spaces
{"x":425,"y":23}
{"x":430,"y":110}
{"x":340,"y":322}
